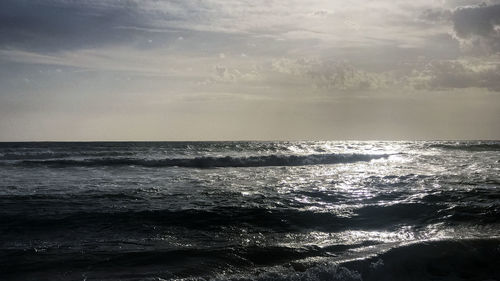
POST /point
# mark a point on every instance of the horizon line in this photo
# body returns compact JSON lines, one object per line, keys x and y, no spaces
{"x":245,"y":140}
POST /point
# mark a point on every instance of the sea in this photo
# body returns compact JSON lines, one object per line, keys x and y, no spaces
{"x":287,"y":210}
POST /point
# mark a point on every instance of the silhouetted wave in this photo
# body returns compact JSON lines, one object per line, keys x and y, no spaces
{"x":214,"y":162}
{"x":468,"y":146}
{"x":279,"y":220}
{"x":466,"y":259}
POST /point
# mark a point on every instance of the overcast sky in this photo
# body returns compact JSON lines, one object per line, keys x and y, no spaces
{"x":249,"y":69}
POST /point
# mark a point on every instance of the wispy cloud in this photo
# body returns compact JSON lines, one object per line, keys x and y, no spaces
{"x":176,"y":56}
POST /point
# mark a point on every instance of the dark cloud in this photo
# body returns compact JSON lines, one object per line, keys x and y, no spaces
{"x":478,"y":26}
{"x":60,"y":25}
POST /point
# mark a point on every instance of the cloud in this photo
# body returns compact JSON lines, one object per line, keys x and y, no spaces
{"x":328,"y":74}
{"x":478,"y":28}
{"x":39,"y":25}
{"x":331,"y":77}
{"x":435,"y":15}
{"x":232,"y":75}
{"x":456,"y":74}
{"x":434,"y":75}
{"x":352,"y":49}
{"x":304,"y":72}
{"x":47,"y":26}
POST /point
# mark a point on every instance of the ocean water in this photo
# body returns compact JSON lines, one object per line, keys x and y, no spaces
{"x":250,"y":211}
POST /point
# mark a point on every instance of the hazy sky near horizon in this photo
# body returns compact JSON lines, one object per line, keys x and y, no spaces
{"x":241,"y":69}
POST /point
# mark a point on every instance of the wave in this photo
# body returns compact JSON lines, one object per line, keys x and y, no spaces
{"x":278,"y":220}
{"x":213,"y":162}
{"x":462,"y":259}
{"x":138,"y":264}
{"x":467,"y":259}
{"x":64,"y":217}
{"x":468,"y":146}
{"x":180,"y":262}
{"x":60,"y":155}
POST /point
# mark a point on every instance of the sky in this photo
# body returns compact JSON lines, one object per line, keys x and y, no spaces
{"x":249,"y":70}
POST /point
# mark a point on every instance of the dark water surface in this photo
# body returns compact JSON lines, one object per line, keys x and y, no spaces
{"x":250,"y":211}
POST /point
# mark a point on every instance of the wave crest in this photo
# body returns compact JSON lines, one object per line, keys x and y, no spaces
{"x":468,"y":146}
{"x":214,"y":162}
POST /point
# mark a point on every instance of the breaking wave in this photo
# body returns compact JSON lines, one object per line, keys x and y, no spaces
{"x":468,"y":146}
{"x":213,"y":162}
{"x":467,"y":259}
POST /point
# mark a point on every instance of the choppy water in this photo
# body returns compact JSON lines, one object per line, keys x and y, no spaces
{"x":250,"y":211}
